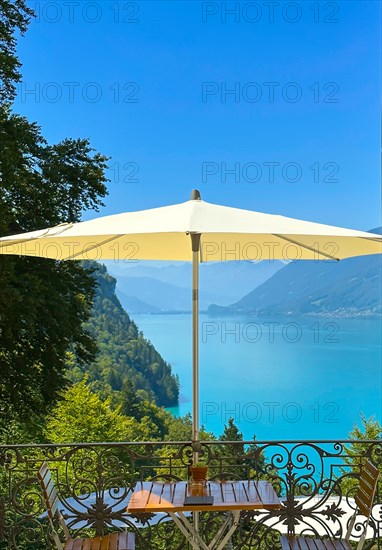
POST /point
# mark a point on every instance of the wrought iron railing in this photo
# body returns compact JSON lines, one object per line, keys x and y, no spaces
{"x":315,"y":480}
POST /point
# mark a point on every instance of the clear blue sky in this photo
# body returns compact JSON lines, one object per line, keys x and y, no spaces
{"x":169,"y":51}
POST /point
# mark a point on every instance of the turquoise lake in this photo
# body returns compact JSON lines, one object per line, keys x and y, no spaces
{"x":278,"y":378}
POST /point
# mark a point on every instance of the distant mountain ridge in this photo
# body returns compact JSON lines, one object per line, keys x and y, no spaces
{"x":146,"y":289}
{"x":348,"y":288}
{"x":134,"y":305}
{"x":156,"y":295}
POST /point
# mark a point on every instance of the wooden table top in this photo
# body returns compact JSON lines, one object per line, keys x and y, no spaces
{"x":228,"y":495}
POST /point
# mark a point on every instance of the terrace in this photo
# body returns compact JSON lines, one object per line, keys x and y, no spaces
{"x":315,"y":481}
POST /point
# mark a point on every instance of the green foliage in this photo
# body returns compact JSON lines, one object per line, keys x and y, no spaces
{"x":239,"y":460}
{"x":256,"y":460}
{"x":231,"y":433}
{"x":347,"y":481}
{"x":82,"y":417}
{"x":232,"y":463}
{"x":44,"y":303}
{"x":180,"y":428}
{"x":14,"y":17}
{"x":44,"y":185}
{"x":130,"y":402}
{"x":15,"y":431}
{"x":370,"y":430}
{"x":159,"y":418}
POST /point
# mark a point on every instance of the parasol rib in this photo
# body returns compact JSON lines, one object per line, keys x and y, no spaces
{"x":307,"y":247}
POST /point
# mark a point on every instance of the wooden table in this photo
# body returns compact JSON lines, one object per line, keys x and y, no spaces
{"x":229,"y":496}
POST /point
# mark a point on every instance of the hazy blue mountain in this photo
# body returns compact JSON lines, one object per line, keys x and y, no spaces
{"x":134,"y":305}
{"x":160,"y":295}
{"x":346,"y":288}
{"x":222,"y":283}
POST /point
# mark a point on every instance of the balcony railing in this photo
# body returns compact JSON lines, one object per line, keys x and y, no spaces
{"x":315,"y":480}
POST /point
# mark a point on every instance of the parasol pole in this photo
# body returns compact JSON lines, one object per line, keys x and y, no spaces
{"x":195,"y":243}
{"x":195,"y":239}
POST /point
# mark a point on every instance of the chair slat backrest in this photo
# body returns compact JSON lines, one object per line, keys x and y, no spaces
{"x":49,"y":490}
{"x":52,"y":503}
{"x":367,"y":486}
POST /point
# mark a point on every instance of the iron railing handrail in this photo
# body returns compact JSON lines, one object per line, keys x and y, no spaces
{"x":213,"y":442}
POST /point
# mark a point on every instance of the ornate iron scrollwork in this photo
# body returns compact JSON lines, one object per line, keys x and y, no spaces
{"x":315,"y":481}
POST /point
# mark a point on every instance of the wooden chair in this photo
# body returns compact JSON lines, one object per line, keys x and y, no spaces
{"x":364,"y":500}
{"x":115,"y":541}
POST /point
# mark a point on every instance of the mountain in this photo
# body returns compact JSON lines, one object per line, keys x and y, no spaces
{"x":125,"y":357}
{"x":131,"y":304}
{"x":162,"y":296}
{"x":351,"y":287}
{"x":168,"y":287}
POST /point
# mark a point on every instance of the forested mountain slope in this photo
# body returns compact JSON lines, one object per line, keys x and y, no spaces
{"x":124,"y":354}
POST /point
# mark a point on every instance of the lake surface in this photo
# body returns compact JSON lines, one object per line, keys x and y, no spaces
{"x":278,"y":378}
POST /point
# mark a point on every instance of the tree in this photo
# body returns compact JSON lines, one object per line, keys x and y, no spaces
{"x":240,"y":460}
{"x":43,"y":303}
{"x":180,"y":428}
{"x":81,"y":417}
{"x":129,"y":399}
{"x":14,"y":16}
{"x":231,"y":433}
{"x":256,"y":459}
{"x":356,"y":453}
{"x":370,"y":430}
